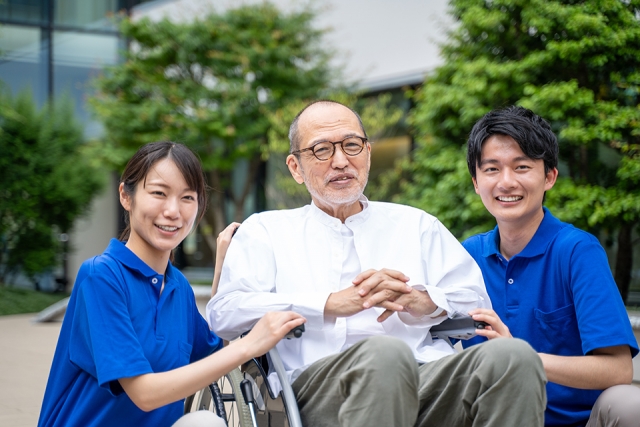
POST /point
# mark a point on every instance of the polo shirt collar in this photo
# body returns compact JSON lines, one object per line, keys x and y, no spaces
{"x":492,"y":243}
{"x":538,"y":244}
{"x":334,"y":222}
{"x":119,"y":251}
{"x":543,"y":236}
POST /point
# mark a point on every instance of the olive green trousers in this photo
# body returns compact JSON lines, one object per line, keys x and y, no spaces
{"x":377,"y":383}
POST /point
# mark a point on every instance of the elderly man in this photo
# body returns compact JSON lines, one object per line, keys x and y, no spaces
{"x":371,"y":279}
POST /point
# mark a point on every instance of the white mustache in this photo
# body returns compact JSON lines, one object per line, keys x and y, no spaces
{"x":341,"y":174}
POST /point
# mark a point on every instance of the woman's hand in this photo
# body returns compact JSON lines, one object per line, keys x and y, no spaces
{"x":223,"y":241}
{"x":153,"y":390}
{"x":496,"y":328}
{"x":270,"y":330}
{"x":222,"y":244}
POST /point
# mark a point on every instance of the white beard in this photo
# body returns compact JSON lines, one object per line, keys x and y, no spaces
{"x":338,"y":198}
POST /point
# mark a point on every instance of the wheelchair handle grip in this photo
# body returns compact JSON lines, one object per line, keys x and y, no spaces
{"x":247,"y":392}
{"x":295,"y":332}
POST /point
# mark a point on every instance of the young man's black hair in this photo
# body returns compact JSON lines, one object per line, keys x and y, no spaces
{"x":532,"y":133}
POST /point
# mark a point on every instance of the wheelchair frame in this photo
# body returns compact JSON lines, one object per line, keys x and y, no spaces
{"x":252,"y":408}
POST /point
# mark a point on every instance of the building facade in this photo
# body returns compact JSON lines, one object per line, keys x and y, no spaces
{"x":55,"y":47}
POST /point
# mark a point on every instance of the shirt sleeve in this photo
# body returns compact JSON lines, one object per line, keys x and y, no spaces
{"x":247,"y":289}
{"x":103,"y":341}
{"x":600,"y":312}
{"x":205,"y":341}
{"x":453,"y":279}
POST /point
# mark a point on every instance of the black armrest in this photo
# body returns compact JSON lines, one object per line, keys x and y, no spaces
{"x":458,"y":327}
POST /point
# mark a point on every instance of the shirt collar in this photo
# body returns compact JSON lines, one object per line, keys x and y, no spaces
{"x":492,"y":243}
{"x":334,"y":222}
{"x":538,"y":244}
{"x":124,"y":255}
{"x":547,"y":229}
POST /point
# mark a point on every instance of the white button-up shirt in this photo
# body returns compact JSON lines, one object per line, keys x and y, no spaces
{"x":294,"y":259}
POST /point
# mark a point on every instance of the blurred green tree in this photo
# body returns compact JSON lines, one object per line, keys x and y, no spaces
{"x":46,"y":182}
{"x":575,"y":63}
{"x":211,"y":84}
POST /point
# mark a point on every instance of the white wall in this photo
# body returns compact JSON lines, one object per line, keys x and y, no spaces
{"x":377,"y":40}
{"x":91,"y":234}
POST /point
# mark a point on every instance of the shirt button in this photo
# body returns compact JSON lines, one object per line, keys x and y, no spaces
{"x":510,"y":281}
{"x":154,"y":280}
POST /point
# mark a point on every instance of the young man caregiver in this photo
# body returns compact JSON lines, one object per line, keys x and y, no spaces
{"x":549,"y":282}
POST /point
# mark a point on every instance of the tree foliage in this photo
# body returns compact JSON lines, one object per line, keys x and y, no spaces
{"x":212,"y":83}
{"x":45,"y":182}
{"x":575,"y":63}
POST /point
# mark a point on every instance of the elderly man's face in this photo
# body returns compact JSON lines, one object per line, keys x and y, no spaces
{"x":335,"y":184}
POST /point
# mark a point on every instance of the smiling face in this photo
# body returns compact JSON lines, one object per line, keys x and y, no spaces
{"x":510,"y":184}
{"x":162,"y":211}
{"x":336,"y":184}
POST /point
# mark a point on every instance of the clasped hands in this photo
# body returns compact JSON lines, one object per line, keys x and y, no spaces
{"x":384,"y":288}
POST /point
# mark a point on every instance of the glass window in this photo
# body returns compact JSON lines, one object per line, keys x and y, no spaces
{"x":23,"y":60}
{"x":385,"y":151}
{"x":85,"y":14}
{"x":24,"y":11}
{"x":77,"y":58}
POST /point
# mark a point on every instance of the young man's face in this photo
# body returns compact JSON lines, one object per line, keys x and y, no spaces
{"x":510,"y":184}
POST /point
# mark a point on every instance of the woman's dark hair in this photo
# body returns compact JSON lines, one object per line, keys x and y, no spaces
{"x":147,"y":156}
{"x":532,"y":133}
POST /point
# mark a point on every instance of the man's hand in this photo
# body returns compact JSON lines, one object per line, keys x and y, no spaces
{"x":382,"y":288}
{"x":417,"y":303}
{"x":372,"y":288}
{"x":344,"y":303}
{"x":496,"y":328}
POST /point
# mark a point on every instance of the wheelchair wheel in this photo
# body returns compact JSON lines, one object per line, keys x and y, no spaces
{"x":223,"y":397}
{"x":270,"y":410}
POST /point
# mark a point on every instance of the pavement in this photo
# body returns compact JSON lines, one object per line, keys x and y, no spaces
{"x":26,"y":352}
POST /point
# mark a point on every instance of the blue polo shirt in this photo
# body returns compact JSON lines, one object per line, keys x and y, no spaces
{"x":118,"y":325}
{"x":558,"y":294}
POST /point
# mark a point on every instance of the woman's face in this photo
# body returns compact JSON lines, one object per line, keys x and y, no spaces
{"x":161,"y":213}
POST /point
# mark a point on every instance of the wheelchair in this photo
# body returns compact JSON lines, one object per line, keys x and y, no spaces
{"x":244,"y":398}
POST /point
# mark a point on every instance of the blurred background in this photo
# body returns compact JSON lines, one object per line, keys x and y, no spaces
{"x":83,"y":84}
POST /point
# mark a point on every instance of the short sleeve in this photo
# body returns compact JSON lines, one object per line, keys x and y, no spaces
{"x":103,"y":341}
{"x":597,"y":301}
{"x":205,"y":341}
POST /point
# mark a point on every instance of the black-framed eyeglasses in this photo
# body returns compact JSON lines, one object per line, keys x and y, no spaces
{"x":351,"y":146}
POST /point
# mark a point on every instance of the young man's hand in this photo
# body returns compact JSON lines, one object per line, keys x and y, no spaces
{"x":496,"y":328}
